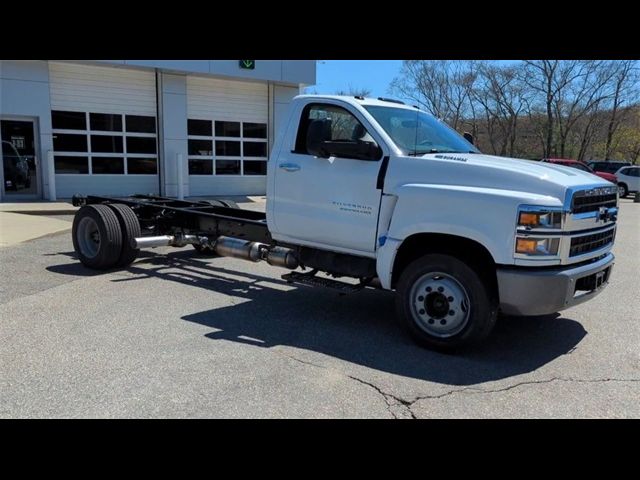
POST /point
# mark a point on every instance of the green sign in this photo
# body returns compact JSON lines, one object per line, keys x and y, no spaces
{"x":248,"y":64}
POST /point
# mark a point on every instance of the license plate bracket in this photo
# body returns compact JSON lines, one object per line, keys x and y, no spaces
{"x":593,"y":281}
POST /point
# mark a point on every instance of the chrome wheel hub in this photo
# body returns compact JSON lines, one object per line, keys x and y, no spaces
{"x":88,"y":237}
{"x":440,"y":304}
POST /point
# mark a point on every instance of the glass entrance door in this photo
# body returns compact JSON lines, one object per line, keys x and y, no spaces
{"x":19,"y":162}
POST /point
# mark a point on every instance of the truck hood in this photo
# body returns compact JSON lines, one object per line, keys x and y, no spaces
{"x":488,"y":171}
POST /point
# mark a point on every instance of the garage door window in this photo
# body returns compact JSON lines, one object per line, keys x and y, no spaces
{"x":96,"y":143}
{"x":227,"y":148}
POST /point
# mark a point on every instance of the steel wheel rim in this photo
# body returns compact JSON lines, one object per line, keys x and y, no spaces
{"x":88,"y":236}
{"x":440,"y":304}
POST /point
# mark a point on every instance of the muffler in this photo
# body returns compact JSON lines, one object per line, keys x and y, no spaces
{"x":239,"y":248}
{"x":255,"y":252}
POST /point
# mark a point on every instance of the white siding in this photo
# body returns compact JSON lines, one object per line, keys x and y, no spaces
{"x":87,"y":88}
{"x":215,"y":99}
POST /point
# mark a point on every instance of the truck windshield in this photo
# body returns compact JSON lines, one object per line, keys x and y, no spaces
{"x":418,"y":133}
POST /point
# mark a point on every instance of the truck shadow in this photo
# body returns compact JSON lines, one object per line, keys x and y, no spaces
{"x":358,"y":328}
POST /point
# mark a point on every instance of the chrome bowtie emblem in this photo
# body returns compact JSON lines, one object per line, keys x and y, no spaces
{"x":603,"y":214}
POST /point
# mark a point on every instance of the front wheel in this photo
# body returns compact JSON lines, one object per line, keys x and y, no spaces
{"x":623,"y":190}
{"x":444,"y":304}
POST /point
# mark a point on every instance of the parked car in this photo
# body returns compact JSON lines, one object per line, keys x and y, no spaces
{"x":609,"y":177}
{"x":609,"y":167}
{"x":16,"y":167}
{"x":628,"y":180}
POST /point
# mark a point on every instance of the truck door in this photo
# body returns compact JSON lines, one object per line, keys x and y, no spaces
{"x":334,"y":201}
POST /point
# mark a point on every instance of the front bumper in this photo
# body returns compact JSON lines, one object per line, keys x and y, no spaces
{"x":528,"y":291}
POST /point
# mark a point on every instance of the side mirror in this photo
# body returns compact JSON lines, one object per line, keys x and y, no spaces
{"x":352,"y":149}
{"x":468,"y":137}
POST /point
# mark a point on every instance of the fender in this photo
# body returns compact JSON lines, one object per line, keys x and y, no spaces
{"x":485,"y":215}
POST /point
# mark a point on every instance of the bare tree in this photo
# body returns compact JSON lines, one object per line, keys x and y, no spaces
{"x":625,"y":89}
{"x":500,"y":92}
{"x":548,"y":80}
{"x":442,"y":87}
{"x":354,"y":91}
{"x":532,"y":108}
{"x":581,"y":97}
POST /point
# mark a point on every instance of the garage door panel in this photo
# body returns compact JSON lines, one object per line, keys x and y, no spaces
{"x":108,"y":89}
{"x":210,"y":98}
{"x":215,"y":168}
{"x":102,"y":90}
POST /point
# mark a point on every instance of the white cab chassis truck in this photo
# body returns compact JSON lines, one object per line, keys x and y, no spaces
{"x":384,"y":193}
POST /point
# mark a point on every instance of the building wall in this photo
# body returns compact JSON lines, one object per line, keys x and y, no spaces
{"x":24,"y":92}
{"x":291,"y":72}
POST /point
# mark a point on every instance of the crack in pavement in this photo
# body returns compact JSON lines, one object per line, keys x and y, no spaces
{"x":386,"y":396}
{"x":390,"y":398}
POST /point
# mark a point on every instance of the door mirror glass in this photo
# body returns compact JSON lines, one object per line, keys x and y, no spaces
{"x":468,"y":137}
{"x":354,"y":149}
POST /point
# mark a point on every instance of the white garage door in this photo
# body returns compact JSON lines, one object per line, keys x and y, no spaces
{"x":227,"y":127}
{"x":104,"y":130}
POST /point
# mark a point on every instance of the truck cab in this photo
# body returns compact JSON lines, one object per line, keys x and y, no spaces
{"x":385,"y":181}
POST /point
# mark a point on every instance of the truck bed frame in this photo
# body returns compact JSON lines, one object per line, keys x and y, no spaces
{"x":161,"y":215}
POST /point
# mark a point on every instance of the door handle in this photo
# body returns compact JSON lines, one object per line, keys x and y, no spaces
{"x":289,"y":167}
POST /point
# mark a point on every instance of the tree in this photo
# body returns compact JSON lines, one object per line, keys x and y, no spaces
{"x":625,"y":90}
{"x":532,"y":108}
{"x":354,"y":92}
{"x":442,"y":87}
{"x":500,"y":93}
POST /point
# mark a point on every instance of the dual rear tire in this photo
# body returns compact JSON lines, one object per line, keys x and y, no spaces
{"x":104,"y":235}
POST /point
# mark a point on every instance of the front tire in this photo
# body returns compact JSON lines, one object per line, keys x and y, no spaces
{"x":623,"y":190}
{"x":444,"y":304}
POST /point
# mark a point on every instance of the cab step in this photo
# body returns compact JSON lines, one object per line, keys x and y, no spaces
{"x":313,"y":281}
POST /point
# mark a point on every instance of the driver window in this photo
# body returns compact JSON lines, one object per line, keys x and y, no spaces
{"x":329,"y":123}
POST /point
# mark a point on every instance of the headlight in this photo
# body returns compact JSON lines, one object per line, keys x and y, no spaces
{"x":539,"y":217}
{"x":537,"y":246}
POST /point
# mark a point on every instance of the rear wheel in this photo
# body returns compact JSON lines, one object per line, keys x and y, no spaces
{"x":623,"y":190}
{"x":444,"y":304}
{"x":130,"y":227}
{"x":97,"y":236}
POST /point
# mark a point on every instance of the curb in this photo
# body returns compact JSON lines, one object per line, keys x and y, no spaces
{"x":44,"y":212}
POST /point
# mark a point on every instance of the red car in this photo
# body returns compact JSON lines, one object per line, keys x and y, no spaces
{"x":610,"y":177}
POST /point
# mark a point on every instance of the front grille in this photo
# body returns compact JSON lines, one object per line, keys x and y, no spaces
{"x":589,"y":243}
{"x":586,"y":201}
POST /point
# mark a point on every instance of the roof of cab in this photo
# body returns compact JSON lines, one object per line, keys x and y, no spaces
{"x":362,"y":100}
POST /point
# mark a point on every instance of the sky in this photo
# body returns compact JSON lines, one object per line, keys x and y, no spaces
{"x":374,"y":75}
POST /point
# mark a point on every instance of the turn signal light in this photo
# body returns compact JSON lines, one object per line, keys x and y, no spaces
{"x":529,"y":219}
{"x":524,"y":245}
{"x":537,"y":246}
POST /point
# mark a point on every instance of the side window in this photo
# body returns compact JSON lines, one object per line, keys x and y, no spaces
{"x":324,"y":126}
{"x":633,"y":172}
{"x":624,"y":171}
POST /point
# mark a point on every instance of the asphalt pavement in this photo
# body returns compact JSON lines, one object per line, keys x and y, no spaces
{"x":177,"y":335}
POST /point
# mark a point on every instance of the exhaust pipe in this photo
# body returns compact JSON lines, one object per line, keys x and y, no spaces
{"x":168,"y":241}
{"x":160,"y":241}
{"x":228,"y":247}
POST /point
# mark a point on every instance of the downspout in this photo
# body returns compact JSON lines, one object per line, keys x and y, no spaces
{"x":160,"y":132}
